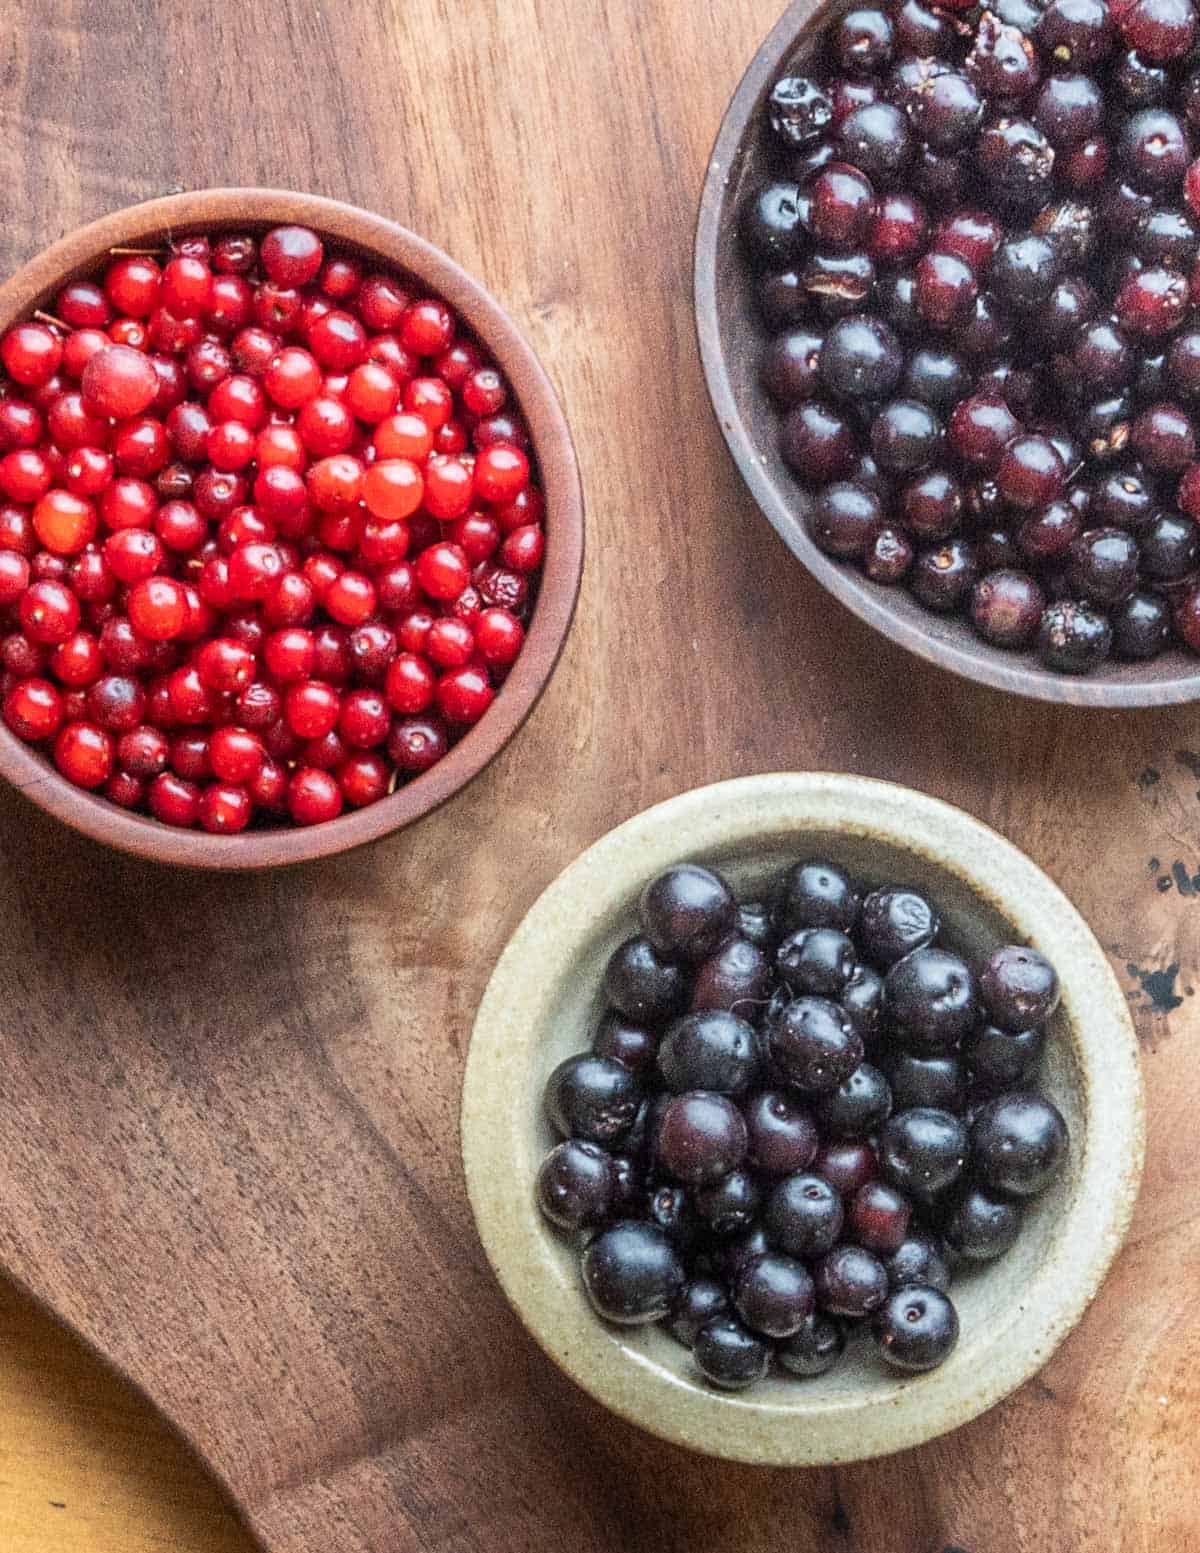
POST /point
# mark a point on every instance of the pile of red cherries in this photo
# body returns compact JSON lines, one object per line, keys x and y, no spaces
{"x":978,"y":253}
{"x":268,"y":531}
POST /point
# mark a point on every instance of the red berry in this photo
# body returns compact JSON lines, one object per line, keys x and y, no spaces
{"x":179,"y":526}
{"x":448,"y":488}
{"x":524,"y":548}
{"x":157,"y":608}
{"x":429,"y":398}
{"x":484,"y":392}
{"x":410,"y":683}
{"x":292,"y":255}
{"x":143,"y":751}
{"x":230,"y":445}
{"x":289,"y":654}
{"x":235,"y":754}
{"x":364,"y":719}
{"x":64,"y":523}
{"x":33,"y":709}
{"x":404,"y":436}
{"x":380,"y":544}
{"x":186,"y":287}
{"x":25,"y":475}
{"x":501,"y":473}
{"x":443,"y":571}
{"x":118,"y":382}
{"x":311,"y":709}
{"x":499,"y":636}
{"x":279,"y":446}
{"x":313,"y":796}
{"x":48,"y":612}
{"x":254,"y":570}
{"x":350,"y":598}
{"x":363,"y":778}
{"x":31,"y":354}
{"x":78,"y":661}
{"x":450,"y":643}
{"x":372,"y":393}
{"x":14,"y":576}
{"x":417,"y":743}
{"x":224,"y":809}
{"x":392,"y":488}
{"x":464,"y":695}
{"x":79,"y":348}
{"x":325,"y":426}
{"x":173,"y":800}
{"x":84,"y":754}
{"x":117,"y":702}
{"x":335,"y":484}
{"x":427,"y":328}
{"x":133,"y":554}
{"x":292,"y":378}
{"x":382,"y":302}
{"x":88,"y":472}
{"x":338,"y":341}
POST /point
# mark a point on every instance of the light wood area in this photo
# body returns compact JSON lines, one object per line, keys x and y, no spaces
{"x":86,"y":1465}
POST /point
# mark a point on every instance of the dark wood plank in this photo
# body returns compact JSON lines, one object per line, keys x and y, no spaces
{"x":228,"y":1140}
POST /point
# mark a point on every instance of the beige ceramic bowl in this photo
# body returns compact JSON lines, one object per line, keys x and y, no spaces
{"x":542,"y":1003}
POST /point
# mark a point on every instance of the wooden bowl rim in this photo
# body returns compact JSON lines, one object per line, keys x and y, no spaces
{"x":1110,"y":686}
{"x":501,"y":1152}
{"x":396,"y":247}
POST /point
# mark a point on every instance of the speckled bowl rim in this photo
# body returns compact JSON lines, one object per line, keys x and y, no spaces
{"x":500,"y":1157}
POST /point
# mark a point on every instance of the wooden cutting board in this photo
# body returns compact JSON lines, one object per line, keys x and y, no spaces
{"x":228,"y":1107}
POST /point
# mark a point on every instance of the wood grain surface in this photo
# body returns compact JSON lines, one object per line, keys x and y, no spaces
{"x":228,"y":1107}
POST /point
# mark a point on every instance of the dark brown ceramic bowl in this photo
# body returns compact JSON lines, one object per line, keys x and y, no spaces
{"x":390,"y":246}
{"x":731,"y":339}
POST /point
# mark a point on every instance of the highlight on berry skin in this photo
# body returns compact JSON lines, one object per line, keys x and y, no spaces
{"x":270,"y":530}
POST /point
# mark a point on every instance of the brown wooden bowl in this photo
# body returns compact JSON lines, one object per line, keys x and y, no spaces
{"x":731,"y":338}
{"x":393,"y":247}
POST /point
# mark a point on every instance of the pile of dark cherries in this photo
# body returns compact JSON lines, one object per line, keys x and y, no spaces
{"x":798,"y":1116}
{"x":977,"y":252}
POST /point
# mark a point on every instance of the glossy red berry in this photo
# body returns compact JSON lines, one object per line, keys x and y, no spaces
{"x":118,"y":382}
{"x":313,"y":796}
{"x":84,"y":754}
{"x":33,"y":709}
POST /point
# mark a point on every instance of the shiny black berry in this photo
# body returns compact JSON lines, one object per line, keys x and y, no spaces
{"x":932,"y":997}
{"x":687,"y":911}
{"x":592,"y":1097}
{"x":1018,"y":1144}
{"x":576,"y":1185}
{"x":730,"y":1356}
{"x":814,"y":1349}
{"x":923,"y":1151}
{"x":803,"y":1215}
{"x":895,"y":921}
{"x":817,"y":960}
{"x":813,"y":1045}
{"x":858,"y":1107}
{"x":632,"y":1274}
{"x":714,"y":1050}
{"x":916,"y":1329}
{"x":1019,"y":986}
{"x":641,"y":984}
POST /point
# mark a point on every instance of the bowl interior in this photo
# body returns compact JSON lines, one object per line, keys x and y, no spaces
{"x":973,"y":927}
{"x":861,"y":1408}
{"x":732,"y":335}
{"x":380,"y":244}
